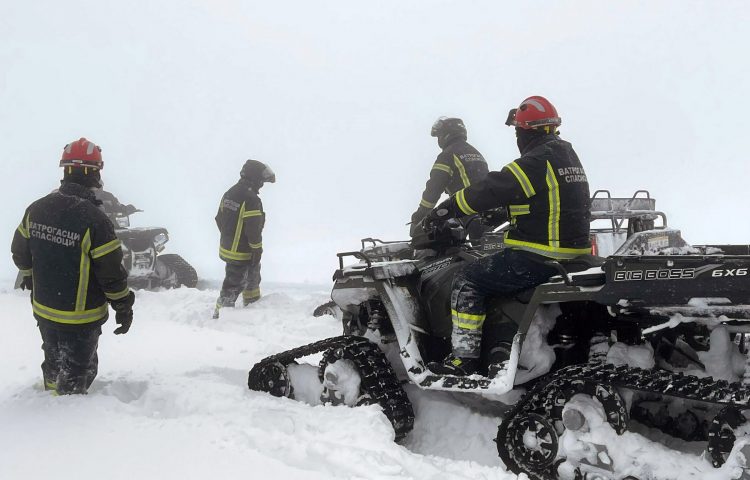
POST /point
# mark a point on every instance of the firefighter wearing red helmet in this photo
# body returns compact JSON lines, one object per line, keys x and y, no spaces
{"x":241,"y":220}
{"x":546,"y":194}
{"x":71,"y":261}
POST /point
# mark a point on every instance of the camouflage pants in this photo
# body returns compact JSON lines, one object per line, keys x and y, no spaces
{"x":501,"y":274}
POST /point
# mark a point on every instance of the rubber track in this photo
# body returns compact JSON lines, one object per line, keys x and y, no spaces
{"x":654,"y":381}
{"x":379,"y":381}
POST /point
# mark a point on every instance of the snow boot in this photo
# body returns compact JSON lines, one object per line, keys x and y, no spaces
{"x":453,"y":365}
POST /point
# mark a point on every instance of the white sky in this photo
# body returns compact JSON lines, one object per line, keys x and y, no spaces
{"x":339,"y":96}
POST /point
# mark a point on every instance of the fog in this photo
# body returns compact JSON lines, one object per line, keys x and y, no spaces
{"x":338,"y":98}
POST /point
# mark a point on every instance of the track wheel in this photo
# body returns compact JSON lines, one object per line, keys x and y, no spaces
{"x":721,"y":435}
{"x":530,"y":441}
{"x":270,"y":377}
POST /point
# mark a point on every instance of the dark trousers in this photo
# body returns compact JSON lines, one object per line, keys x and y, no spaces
{"x":239,"y":278}
{"x":504,"y":273}
{"x":70,"y":360}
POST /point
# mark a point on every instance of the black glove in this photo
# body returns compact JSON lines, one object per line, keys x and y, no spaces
{"x":440,"y":214}
{"x":123,"y":312}
{"x":27,"y":283}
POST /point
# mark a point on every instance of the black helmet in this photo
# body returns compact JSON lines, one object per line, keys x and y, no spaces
{"x":445,"y":126}
{"x":257,"y":172}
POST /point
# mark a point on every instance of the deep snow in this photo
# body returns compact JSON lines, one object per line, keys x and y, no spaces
{"x":171,"y":401}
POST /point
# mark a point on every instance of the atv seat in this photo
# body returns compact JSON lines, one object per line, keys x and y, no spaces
{"x":570,"y":270}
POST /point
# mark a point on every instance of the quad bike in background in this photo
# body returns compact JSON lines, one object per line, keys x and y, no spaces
{"x":147,"y":266}
{"x":650,"y":335}
{"x":142,"y":249}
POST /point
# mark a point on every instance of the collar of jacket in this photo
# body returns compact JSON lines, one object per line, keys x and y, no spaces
{"x":450,"y":140}
{"x":247,"y":184}
{"x":78,"y":190}
{"x":540,"y":140}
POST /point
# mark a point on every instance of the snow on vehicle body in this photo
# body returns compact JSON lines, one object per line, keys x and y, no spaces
{"x":625,"y":333}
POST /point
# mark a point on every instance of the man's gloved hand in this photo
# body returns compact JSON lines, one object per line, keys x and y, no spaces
{"x":27,"y":283}
{"x":123,"y":312}
{"x":440,"y":214}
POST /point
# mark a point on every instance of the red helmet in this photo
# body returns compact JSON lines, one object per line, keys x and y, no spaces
{"x":533,"y":112}
{"x":82,"y":153}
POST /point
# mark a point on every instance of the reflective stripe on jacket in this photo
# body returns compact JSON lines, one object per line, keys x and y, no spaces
{"x":240,"y":220}
{"x":458,"y":166}
{"x":69,"y":248}
{"x":546,"y":193}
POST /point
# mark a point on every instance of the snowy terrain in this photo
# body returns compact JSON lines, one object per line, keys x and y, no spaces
{"x":171,"y":401}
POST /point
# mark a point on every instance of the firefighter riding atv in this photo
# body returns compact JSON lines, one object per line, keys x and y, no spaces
{"x":648,"y":336}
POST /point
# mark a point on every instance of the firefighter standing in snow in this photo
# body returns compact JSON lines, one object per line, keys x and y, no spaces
{"x":240,"y":220}
{"x":70,"y":258}
{"x":546,"y":194}
{"x":456,"y":167}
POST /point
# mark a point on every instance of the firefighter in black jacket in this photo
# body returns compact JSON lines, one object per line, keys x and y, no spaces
{"x":67,"y":251}
{"x":240,"y":220}
{"x":456,"y":167}
{"x":546,"y":194}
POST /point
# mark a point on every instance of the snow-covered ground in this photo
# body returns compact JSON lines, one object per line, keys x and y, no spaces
{"x":171,"y":401}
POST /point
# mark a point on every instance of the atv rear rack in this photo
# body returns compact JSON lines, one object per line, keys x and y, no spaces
{"x":617,"y":210}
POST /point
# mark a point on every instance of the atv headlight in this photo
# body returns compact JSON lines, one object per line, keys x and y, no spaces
{"x":159,"y":241}
{"x":123,"y":222}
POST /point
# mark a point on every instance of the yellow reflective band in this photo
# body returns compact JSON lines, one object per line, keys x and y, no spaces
{"x":50,"y":385}
{"x":118,"y":295}
{"x":461,"y":170}
{"x":424,"y":203}
{"x":108,"y":247}
{"x":462,"y":204}
{"x":84,"y":271}
{"x":252,"y":213}
{"x":238,"y":228}
{"x":547,"y":250}
{"x":523,"y":180}
{"x":467,"y":321}
{"x":26,"y":272}
{"x":22,"y":230}
{"x":251,"y":293}
{"x":225,"y":254}
{"x":516,"y":210}
{"x":553,"y":227}
{"x":256,"y":245}
{"x":443,"y":168}
{"x":71,"y":318}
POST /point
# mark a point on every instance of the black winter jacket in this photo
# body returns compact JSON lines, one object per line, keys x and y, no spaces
{"x":240,"y":220}
{"x":456,"y":167}
{"x":68,"y":246}
{"x":546,"y":193}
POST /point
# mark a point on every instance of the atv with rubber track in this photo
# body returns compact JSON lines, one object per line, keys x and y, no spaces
{"x":653,"y":337}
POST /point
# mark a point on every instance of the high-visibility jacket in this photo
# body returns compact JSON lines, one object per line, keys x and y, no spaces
{"x":240,"y":220}
{"x":458,"y":166}
{"x":68,"y":246}
{"x":546,"y":193}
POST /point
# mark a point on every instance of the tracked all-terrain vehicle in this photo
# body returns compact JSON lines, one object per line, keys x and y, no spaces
{"x":652,"y":336}
{"x":147,"y":266}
